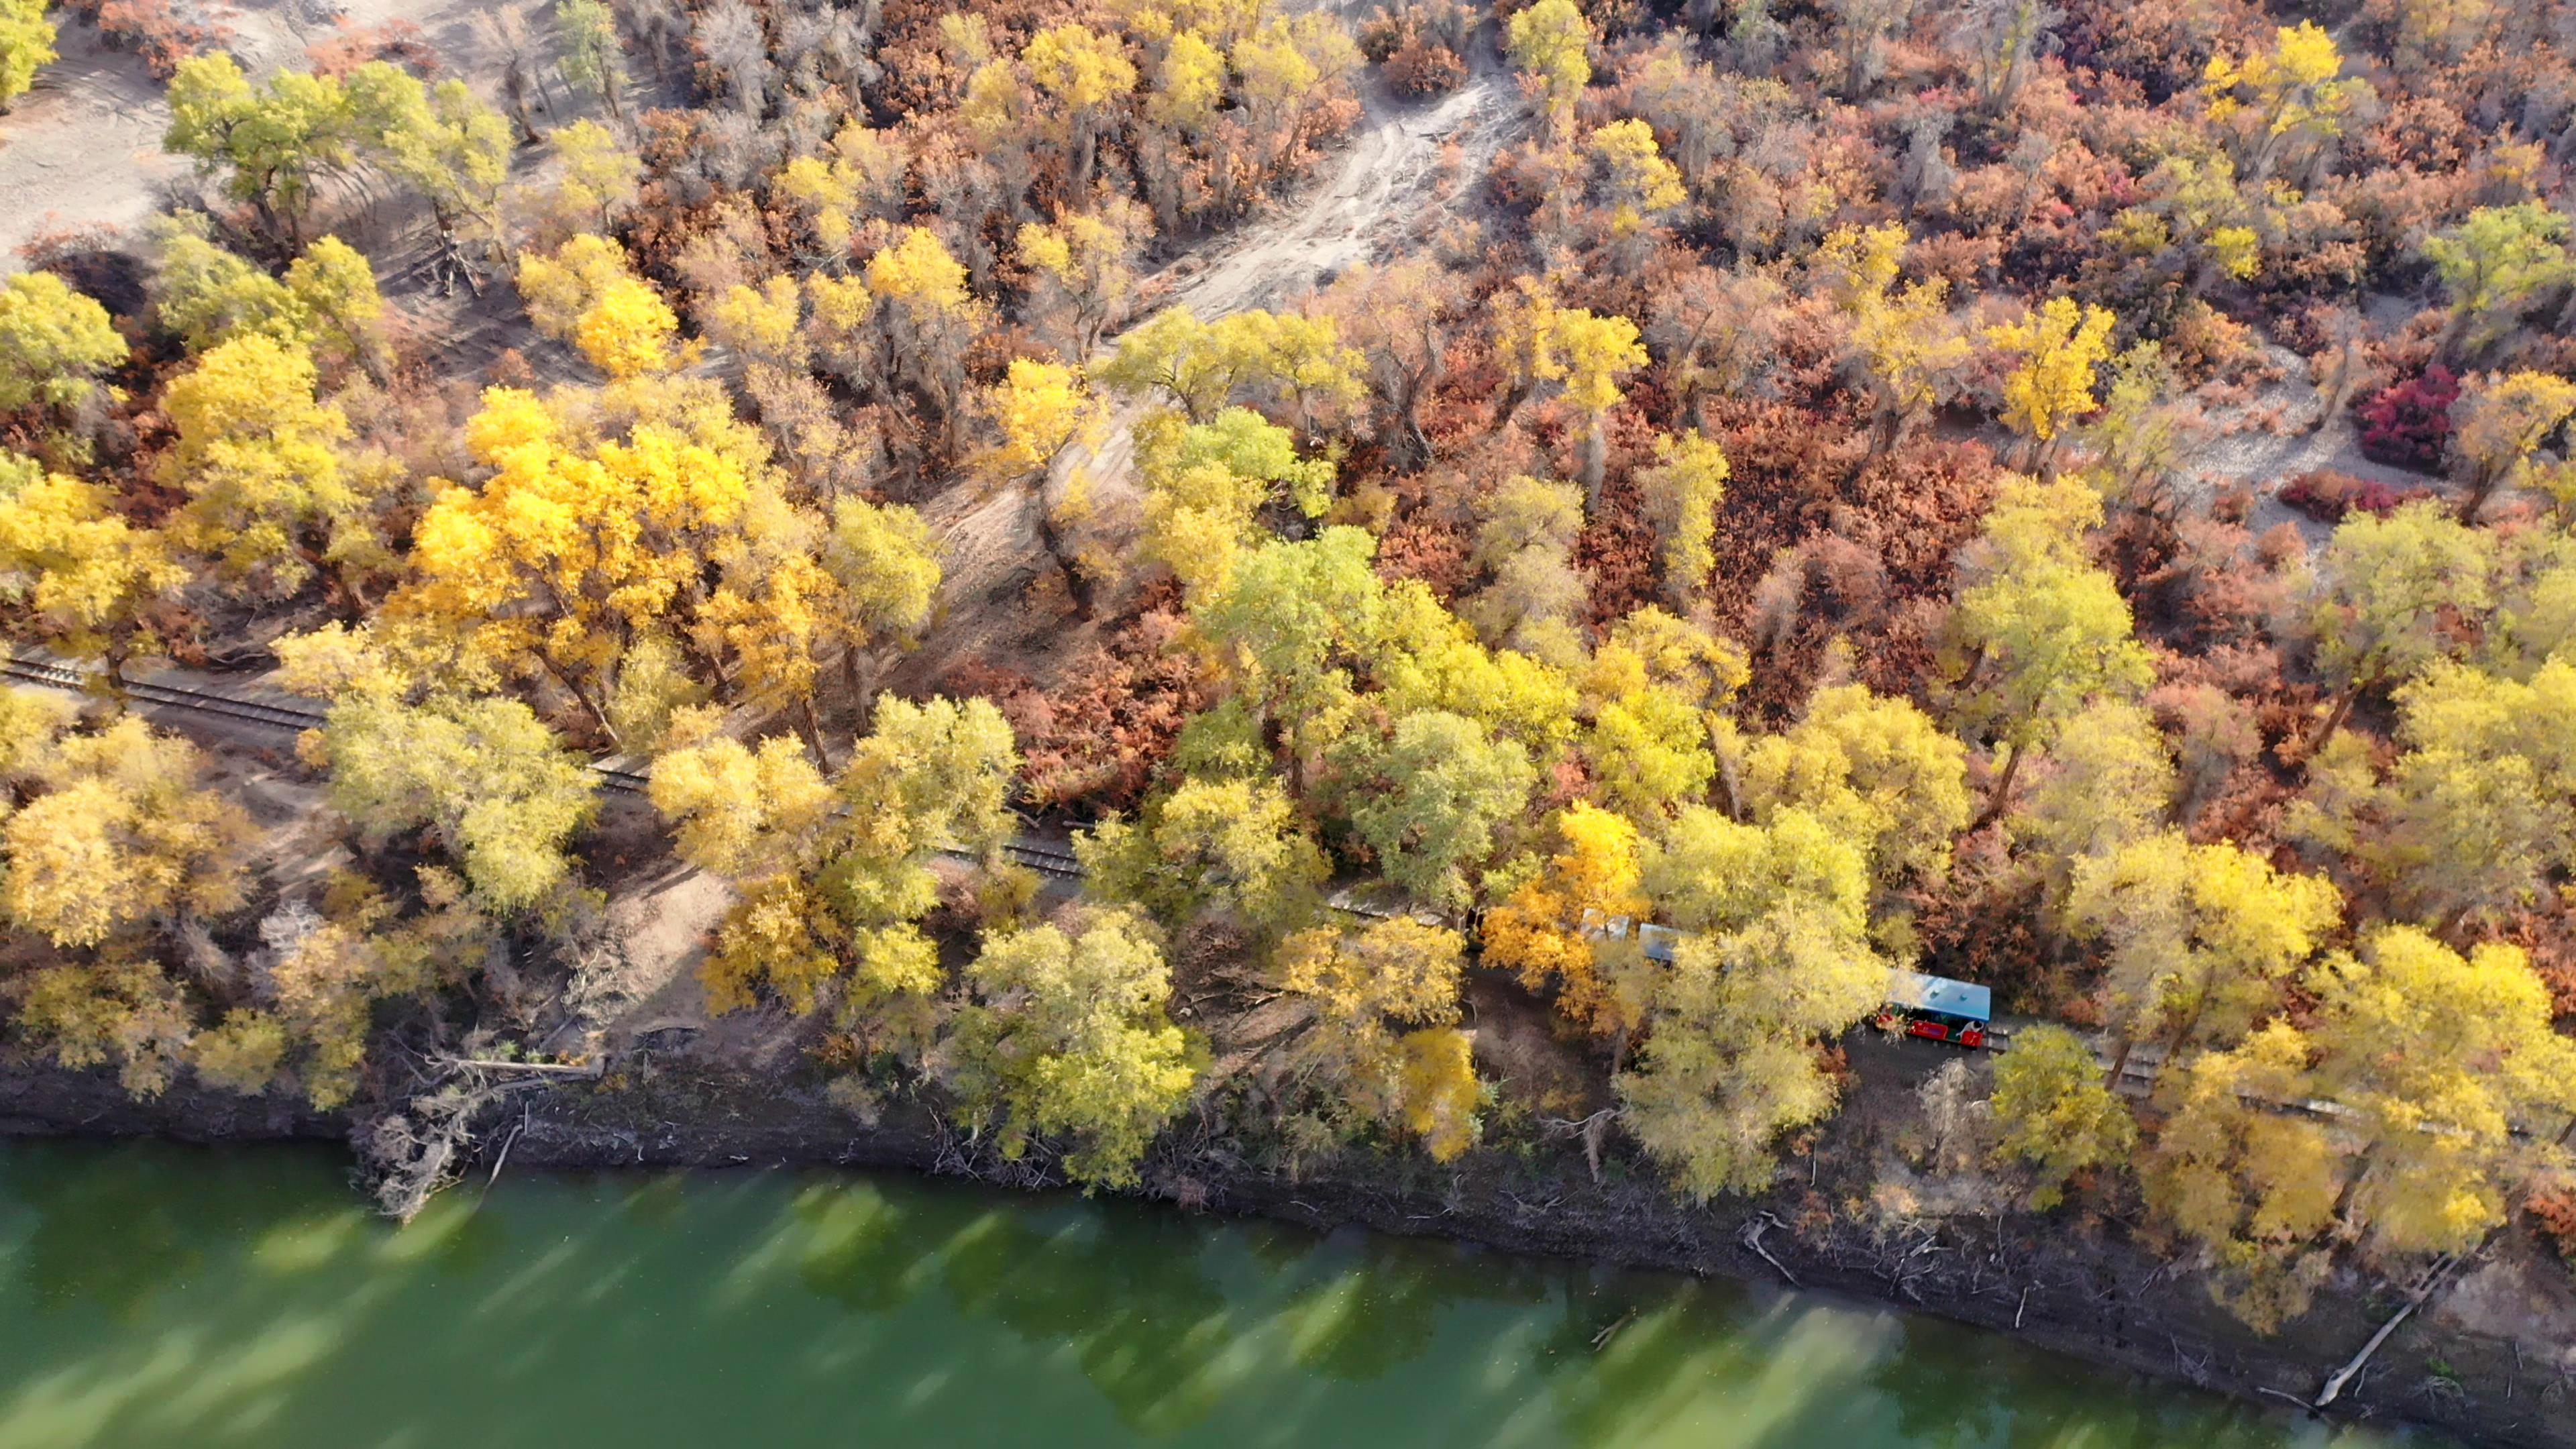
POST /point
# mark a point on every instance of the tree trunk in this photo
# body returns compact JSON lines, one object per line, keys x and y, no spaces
{"x":1596,"y":464}
{"x":2002,"y":796}
{"x":812,"y":729}
{"x":2334,"y":721}
{"x":2120,"y":1062}
{"x":2479,"y":491}
{"x":1051,"y":539}
{"x":858,"y":676}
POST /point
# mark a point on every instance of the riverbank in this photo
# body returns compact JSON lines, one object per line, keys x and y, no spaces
{"x":2085,"y":1290}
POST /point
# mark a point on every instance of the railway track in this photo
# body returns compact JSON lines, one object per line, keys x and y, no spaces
{"x":285,"y":717}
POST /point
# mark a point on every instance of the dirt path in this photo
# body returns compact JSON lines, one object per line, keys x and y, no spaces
{"x":83,"y":148}
{"x":1382,"y":197}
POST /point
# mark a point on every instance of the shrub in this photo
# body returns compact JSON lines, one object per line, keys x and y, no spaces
{"x":2408,"y":425}
{"x":2327,"y":495}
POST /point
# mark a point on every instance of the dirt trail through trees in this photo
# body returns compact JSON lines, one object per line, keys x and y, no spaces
{"x":1383,"y":195}
{"x":83,"y":148}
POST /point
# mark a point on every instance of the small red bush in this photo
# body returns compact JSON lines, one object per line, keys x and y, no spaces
{"x":2408,"y":425}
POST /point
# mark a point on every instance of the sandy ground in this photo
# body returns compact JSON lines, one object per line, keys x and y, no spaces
{"x":83,"y":148}
{"x":2241,"y":453}
{"x":1375,"y":200}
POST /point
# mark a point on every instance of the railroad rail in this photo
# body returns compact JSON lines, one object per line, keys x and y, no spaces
{"x":290,"y":718}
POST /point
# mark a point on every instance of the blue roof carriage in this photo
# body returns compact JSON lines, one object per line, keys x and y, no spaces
{"x":1915,"y":991}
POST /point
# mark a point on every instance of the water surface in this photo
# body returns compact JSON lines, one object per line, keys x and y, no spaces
{"x":155,"y":1295}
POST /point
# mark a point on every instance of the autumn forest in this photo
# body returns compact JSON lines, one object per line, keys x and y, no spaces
{"x":1185,"y":572}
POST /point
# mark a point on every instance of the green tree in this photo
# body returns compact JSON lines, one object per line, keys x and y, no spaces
{"x":485,"y":776}
{"x":1066,"y":1036}
{"x":1205,"y":484}
{"x":1775,"y":954}
{"x":54,"y":342}
{"x":276,"y":144}
{"x":592,"y":59}
{"x":2202,"y":938}
{"x":2387,"y":593}
{"x":1428,"y":799}
{"x":1526,"y":542}
{"x":2048,"y":632}
{"x":886,"y":563}
{"x":327,"y":301}
{"x":2056,"y":1113}
{"x":2443,"y":1057}
{"x":2495,"y":265}
{"x":1231,"y":846}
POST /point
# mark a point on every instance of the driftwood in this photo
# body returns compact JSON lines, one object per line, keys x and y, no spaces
{"x":2334,"y":1385}
{"x":1751,"y":1237}
{"x":561,"y":1069}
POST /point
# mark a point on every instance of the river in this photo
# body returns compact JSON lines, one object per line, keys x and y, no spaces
{"x":173,"y":1297}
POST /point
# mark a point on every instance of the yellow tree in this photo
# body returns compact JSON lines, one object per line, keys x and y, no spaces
{"x":923,"y":317}
{"x":259,"y":459}
{"x":1682,"y":492}
{"x":1877,"y":770}
{"x":574,"y":553}
{"x":1554,"y":929}
{"x":2055,"y":1111}
{"x":2285,"y":94}
{"x":1230,"y":847}
{"x":585,"y":294}
{"x":1087,"y":75}
{"x":1383,"y":1037}
{"x":1067,"y":1037}
{"x":835,"y":875}
{"x":2202,"y":937}
{"x":1040,"y":409}
{"x":2059,"y":347}
{"x":26,"y":46}
{"x":122,"y":830}
{"x":1774,"y":954}
{"x":54,"y":342}
{"x":2253,"y":1186}
{"x":1904,"y":336}
{"x":1635,"y":180}
{"x":2445,"y":1057}
{"x":1593,"y":354}
{"x":1551,"y":42}
{"x":86,"y":579}
{"x":2503,"y":421}
{"x":1081,"y":269}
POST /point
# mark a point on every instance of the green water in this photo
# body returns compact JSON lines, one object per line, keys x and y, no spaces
{"x":165,"y":1296}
